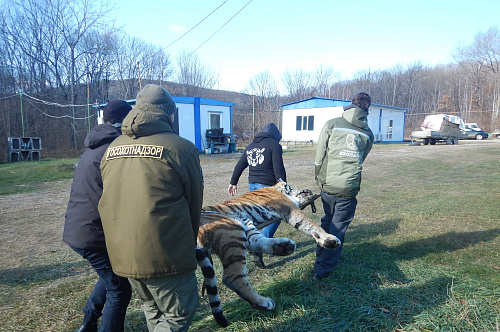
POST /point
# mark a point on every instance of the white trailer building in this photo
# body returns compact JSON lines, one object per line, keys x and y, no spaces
{"x":303,"y":120}
{"x":206,"y":122}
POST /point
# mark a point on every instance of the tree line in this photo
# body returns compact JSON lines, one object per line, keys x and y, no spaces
{"x":469,"y":87}
{"x":60,"y":58}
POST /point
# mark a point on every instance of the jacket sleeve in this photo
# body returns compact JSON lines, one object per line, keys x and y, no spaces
{"x":193,"y":189}
{"x":368,"y":149}
{"x":321,"y":149}
{"x":278,"y":167}
{"x":239,"y":168}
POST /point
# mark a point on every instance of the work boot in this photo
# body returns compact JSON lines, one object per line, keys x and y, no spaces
{"x":90,"y":327}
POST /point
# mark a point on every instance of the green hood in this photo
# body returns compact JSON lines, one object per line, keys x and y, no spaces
{"x":144,"y":120}
{"x":357,"y":117}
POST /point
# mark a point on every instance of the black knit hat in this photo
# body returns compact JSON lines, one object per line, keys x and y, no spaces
{"x":115,"y":111}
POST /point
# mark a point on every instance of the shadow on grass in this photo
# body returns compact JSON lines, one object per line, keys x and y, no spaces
{"x":367,"y":291}
{"x":362,"y":232}
{"x":335,"y":305}
{"x":450,"y":241}
{"x":33,"y":274}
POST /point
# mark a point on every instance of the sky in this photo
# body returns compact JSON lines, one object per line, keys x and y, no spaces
{"x":245,"y":37}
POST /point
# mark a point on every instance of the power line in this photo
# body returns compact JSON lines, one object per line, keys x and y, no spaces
{"x":53,"y":104}
{"x":222,"y":26}
{"x":8,"y":97}
{"x":61,"y":116}
{"x":196,"y":24}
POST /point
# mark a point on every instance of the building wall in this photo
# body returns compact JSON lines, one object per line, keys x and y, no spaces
{"x":320,"y":114}
{"x":380,"y":120}
{"x":186,"y":120}
{"x":387,"y":123}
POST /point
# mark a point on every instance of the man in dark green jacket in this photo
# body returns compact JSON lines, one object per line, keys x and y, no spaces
{"x":150,"y":210}
{"x":343,"y":145}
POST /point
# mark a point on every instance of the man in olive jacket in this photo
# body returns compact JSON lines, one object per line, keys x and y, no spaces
{"x":343,"y":145}
{"x":150,"y":210}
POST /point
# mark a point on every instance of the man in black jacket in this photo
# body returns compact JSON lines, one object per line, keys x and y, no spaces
{"x":264,"y":159}
{"x":83,"y":230}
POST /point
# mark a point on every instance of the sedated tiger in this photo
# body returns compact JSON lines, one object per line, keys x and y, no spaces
{"x":231,"y":228}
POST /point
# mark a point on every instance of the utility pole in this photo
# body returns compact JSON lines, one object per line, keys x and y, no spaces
{"x":88,"y":103}
{"x":22,"y":112}
{"x":139,"y":73}
{"x":253,"y":117}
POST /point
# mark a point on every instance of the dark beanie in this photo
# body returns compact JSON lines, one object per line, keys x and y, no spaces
{"x":156,"y":98}
{"x":115,"y":111}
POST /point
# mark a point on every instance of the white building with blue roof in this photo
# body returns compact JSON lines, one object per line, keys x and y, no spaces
{"x":207,"y":123}
{"x":304,"y":119}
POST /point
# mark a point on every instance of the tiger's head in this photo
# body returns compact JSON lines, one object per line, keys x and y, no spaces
{"x":301,"y":198}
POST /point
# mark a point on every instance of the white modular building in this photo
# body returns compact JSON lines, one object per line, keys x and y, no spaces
{"x":207,"y":123}
{"x":304,"y":119}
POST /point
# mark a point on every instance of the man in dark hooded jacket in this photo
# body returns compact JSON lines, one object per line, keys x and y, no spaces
{"x":264,"y":159}
{"x":83,"y":230}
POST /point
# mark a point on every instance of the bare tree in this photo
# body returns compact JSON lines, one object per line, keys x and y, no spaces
{"x":323,"y":78}
{"x":298,"y":84}
{"x":264,"y":93}
{"x":52,"y":34}
{"x":481,"y":64}
{"x":194,"y":77}
{"x":137,"y":60}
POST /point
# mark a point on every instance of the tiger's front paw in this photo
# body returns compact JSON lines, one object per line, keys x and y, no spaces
{"x":266,"y":304}
{"x":328,"y":242}
{"x":283,"y":248}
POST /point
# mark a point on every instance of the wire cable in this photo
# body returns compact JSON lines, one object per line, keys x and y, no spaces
{"x":51,"y":103}
{"x":222,"y":26}
{"x":8,"y":97}
{"x":196,"y":25}
{"x":61,"y":116}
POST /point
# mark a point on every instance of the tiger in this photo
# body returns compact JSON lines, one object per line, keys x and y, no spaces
{"x":232,"y":228}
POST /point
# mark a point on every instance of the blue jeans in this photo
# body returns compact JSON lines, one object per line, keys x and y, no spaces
{"x":110,"y":296}
{"x":339,"y":213}
{"x":267,"y":231}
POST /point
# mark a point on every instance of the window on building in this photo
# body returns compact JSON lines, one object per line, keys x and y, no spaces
{"x":298,"y":125}
{"x":304,"y":123}
{"x":310,"y":125}
{"x":215,"y":120}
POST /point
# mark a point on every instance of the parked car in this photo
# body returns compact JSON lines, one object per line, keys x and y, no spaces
{"x":474,"y":132}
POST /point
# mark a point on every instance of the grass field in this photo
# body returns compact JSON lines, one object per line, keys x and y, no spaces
{"x":422,"y":254}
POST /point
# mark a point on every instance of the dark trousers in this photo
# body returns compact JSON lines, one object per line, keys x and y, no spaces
{"x":267,"y":231}
{"x":110,"y":296}
{"x":339,"y":213}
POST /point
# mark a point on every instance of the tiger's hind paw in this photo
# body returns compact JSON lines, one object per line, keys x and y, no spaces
{"x":268,"y":305}
{"x":284,"y":248}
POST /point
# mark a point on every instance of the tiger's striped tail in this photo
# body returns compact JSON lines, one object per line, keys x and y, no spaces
{"x":210,"y":284}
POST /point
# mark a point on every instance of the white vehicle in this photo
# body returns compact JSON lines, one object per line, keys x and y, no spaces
{"x":474,"y":132}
